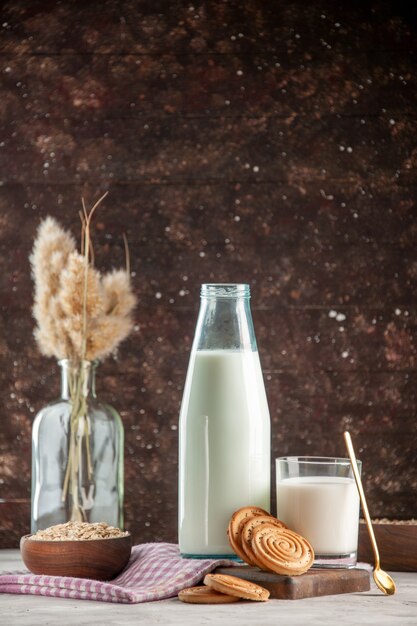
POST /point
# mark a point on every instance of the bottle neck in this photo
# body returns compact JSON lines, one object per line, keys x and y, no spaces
{"x":225,"y":320}
{"x":80,"y":376}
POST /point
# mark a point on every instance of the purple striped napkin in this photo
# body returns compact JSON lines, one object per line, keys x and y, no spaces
{"x":155,"y":571}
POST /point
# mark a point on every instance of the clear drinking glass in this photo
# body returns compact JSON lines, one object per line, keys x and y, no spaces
{"x":317,"y":497}
{"x":224,"y":431}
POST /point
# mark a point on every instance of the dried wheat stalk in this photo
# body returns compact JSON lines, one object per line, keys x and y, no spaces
{"x":65,"y":285}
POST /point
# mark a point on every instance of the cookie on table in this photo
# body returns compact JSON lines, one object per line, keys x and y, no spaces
{"x":205,"y":595}
{"x":236,"y":587}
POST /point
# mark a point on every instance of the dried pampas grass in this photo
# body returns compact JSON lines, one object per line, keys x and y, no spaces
{"x":80,"y":314}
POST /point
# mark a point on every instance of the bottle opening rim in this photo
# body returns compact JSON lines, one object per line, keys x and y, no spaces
{"x":225,"y":290}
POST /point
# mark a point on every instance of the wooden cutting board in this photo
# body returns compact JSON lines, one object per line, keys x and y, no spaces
{"x":316,"y":582}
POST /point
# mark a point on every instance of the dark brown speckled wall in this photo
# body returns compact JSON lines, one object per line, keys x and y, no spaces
{"x":267,"y":142}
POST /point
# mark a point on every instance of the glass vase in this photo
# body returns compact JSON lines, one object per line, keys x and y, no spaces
{"x":77,"y":455}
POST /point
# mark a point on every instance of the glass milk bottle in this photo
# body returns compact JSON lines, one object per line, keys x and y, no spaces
{"x":224,"y":426}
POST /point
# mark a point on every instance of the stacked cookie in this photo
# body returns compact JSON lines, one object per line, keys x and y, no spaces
{"x":262,"y":540}
{"x":223,"y":589}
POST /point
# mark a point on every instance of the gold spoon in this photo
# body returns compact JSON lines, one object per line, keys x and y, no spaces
{"x":381,"y":578}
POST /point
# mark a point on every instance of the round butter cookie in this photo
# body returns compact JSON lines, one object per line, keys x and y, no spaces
{"x":236,"y":523}
{"x":281,"y":550}
{"x":247,"y":530}
{"x":205,"y":595}
{"x":237,"y":587}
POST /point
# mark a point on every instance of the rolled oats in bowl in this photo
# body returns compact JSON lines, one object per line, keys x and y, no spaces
{"x":78,"y":531}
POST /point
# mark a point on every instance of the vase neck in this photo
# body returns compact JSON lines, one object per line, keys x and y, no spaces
{"x":80,"y":376}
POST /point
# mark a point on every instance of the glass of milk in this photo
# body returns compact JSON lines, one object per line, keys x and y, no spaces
{"x":317,"y":497}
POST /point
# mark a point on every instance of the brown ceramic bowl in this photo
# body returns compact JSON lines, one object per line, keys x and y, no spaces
{"x":99,"y":559}
{"x":397,"y":544}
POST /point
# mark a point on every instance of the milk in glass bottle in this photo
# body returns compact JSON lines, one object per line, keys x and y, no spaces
{"x":224,"y":426}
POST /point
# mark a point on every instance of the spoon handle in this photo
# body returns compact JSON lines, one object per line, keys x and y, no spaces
{"x":365,"y":510}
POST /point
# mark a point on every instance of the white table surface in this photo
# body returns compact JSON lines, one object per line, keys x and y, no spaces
{"x":357,"y":609}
